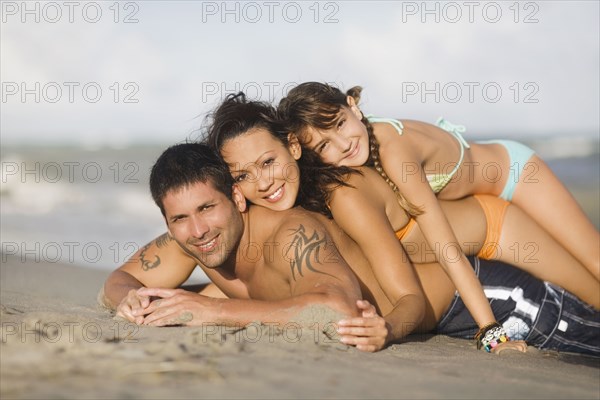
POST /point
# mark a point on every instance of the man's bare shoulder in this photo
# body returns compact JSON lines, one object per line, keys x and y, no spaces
{"x":160,"y":263}
{"x":273,"y":219}
{"x":303,"y":225}
{"x":285,"y":227}
{"x":292,"y":218}
{"x":307,"y":246}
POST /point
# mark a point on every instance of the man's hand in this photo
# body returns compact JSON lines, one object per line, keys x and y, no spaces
{"x":132,"y":306}
{"x":176,"y":307}
{"x":367,"y":333}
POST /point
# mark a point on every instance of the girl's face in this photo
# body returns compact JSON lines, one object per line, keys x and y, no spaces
{"x":264,"y":168}
{"x":346,"y":144}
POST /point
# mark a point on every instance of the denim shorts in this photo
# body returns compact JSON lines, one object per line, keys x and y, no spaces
{"x":543,"y":314}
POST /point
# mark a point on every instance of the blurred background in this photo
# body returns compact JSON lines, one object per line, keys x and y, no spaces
{"x":93,"y":92}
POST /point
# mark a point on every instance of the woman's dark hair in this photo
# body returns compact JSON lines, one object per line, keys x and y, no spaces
{"x":237,"y":115}
{"x":318,"y":105}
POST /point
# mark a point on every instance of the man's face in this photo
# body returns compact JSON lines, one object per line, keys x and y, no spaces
{"x":205,"y":222}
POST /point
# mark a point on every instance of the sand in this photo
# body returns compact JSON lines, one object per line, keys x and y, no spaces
{"x":57,"y":343}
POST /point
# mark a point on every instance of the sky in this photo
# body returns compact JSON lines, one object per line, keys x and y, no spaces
{"x":121,"y":73}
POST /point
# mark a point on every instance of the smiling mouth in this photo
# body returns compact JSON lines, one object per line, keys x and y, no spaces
{"x":206,"y":246}
{"x":354,"y":152}
{"x":276,"y":196}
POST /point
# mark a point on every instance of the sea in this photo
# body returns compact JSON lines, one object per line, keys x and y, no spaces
{"x":91,"y":206}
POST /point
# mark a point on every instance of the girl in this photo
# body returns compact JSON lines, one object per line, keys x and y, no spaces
{"x":422,"y":161}
{"x":331,"y":124}
{"x":263,"y":164}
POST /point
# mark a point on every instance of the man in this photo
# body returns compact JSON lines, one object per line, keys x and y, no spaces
{"x":270,"y":265}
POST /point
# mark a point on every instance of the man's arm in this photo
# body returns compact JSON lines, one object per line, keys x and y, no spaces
{"x":160,"y":263}
{"x":310,"y":271}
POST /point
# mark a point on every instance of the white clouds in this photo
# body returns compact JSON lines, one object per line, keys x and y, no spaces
{"x":171,"y":55}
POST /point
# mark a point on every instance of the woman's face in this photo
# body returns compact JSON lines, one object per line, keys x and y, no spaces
{"x":346,"y":144}
{"x":264,"y":168}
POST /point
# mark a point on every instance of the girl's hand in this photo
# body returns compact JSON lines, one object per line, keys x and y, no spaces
{"x":518,"y":345}
{"x":367,"y":333}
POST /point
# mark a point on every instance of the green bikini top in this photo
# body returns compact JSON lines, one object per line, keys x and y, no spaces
{"x":436,"y":181}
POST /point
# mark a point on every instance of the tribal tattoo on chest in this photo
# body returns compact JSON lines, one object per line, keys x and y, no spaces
{"x":304,"y":251}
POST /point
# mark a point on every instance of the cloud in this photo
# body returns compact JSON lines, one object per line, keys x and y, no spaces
{"x":174,"y":59}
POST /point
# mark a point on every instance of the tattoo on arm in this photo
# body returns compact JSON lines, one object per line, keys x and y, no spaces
{"x":163,"y":240}
{"x":146,"y":264}
{"x":304,"y":250}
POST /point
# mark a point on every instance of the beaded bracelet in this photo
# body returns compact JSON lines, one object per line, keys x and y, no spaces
{"x":491,"y":336}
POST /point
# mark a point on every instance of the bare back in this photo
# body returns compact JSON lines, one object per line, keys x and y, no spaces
{"x":482,"y":170}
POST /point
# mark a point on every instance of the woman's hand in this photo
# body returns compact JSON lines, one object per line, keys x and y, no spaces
{"x":518,"y":345}
{"x":367,"y":333}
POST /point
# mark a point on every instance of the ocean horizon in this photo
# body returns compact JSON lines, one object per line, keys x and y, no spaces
{"x":90,"y":206}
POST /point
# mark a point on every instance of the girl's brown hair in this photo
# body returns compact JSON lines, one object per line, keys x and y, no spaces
{"x":318,"y":105}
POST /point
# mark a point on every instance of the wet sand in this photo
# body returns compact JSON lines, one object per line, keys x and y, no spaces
{"x":58,"y":343}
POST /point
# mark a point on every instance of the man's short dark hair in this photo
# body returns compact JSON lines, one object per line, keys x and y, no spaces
{"x":185,"y":164}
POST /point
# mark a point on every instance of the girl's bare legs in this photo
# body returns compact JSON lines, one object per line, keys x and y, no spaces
{"x":525,"y":244}
{"x":542,"y":196}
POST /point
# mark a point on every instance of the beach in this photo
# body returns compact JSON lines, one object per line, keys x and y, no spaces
{"x":61,"y":237}
{"x":94,"y":92}
{"x":58,"y":343}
